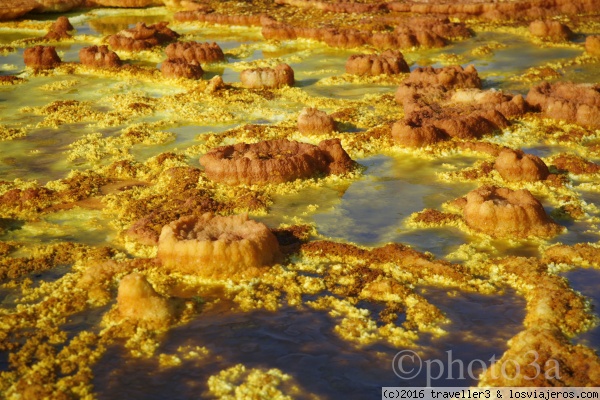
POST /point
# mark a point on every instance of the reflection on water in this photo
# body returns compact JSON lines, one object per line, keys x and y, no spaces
{"x":373,"y":209}
{"x":586,"y":282}
{"x":304,"y":345}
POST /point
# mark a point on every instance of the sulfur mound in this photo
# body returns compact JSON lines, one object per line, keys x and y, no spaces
{"x":99,"y":57}
{"x":504,"y":213}
{"x":137,"y":301}
{"x":592,"y":45}
{"x":217,"y":247}
{"x":60,"y":29}
{"x":552,"y":30}
{"x":179,"y":68}
{"x":312,"y":120}
{"x":275,"y":161}
{"x":579,"y":103}
{"x":516,"y":166}
{"x":142,"y":37}
{"x":41,"y":57}
{"x":389,"y":63}
{"x":195,"y":52}
{"x":257,"y":78}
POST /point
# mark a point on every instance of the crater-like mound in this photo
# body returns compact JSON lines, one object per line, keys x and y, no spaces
{"x":551,"y":30}
{"x":504,"y":213}
{"x":99,"y":57}
{"x":217,"y":247}
{"x":312,"y":120}
{"x":180,"y":68}
{"x":516,"y":166}
{"x":275,"y":161}
{"x":578,"y":103}
{"x":389,"y":62}
{"x":258,"y":78}
{"x":41,"y":57}
{"x":195,"y":52}
{"x":142,"y":37}
{"x":137,"y":301}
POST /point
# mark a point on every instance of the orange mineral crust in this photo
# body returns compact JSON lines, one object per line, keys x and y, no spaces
{"x":505,"y":213}
{"x":217,"y":247}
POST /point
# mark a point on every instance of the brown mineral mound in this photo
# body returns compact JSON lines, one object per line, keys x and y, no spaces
{"x":13,"y":9}
{"x":142,"y":37}
{"x":41,"y":57}
{"x":337,"y":7}
{"x":99,"y":57}
{"x":60,"y":29}
{"x":425,"y":80}
{"x":180,"y":68}
{"x":550,"y":30}
{"x":430,"y":125}
{"x":516,"y":166}
{"x":507,"y":104}
{"x":415,"y":135}
{"x":258,"y":78}
{"x":389,"y":62}
{"x":592,"y":45}
{"x":217,"y":247}
{"x":435,"y":110}
{"x":195,"y":52}
{"x":410,"y":33}
{"x":137,"y":301}
{"x":504,"y":213}
{"x":312,"y":120}
{"x":127,"y":3}
{"x":526,"y":9}
{"x":575,"y":164}
{"x":221,"y":19}
{"x":579,"y":103}
{"x":275,"y":161}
